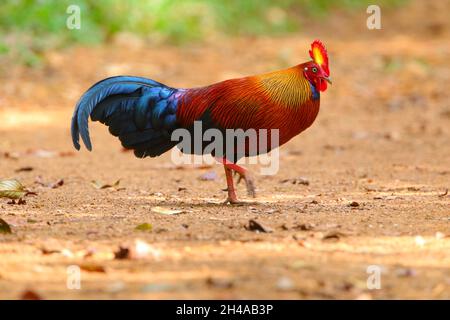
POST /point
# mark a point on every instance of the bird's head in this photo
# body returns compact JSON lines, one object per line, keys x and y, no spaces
{"x":317,"y":71}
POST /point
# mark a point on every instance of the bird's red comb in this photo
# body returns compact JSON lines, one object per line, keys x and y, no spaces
{"x":320,"y":56}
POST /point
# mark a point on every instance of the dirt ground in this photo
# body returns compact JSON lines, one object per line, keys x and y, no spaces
{"x":364,"y":186}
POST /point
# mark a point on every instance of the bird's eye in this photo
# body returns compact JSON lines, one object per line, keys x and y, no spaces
{"x":314,"y":69}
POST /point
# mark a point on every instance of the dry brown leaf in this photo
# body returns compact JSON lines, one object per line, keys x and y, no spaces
{"x":167,"y":211}
{"x":30,"y":295}
{"x":13,"y":189}
{"x":93,"y":268}
{"x":51,"y":185}
{"x":98,"y":185}
{"x":24,"y":169}
{"x":254,"y":225}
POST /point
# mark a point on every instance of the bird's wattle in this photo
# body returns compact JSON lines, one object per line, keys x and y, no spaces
{"x":322,"y":85}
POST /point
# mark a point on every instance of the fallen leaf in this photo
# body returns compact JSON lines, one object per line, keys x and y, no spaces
{"x":270,"y":211}
{"x":51,"y":185}
{"x":144,"y":227}
{"x":443,"y":194}
{"x":392,"y":198}
{"x":203,"y":166}
{"x":167,"y":211}
{"x":47,"y":251}
{"x":93,"y":268}
{"x":253,"y":209}
{"x":24,"y":169}
{"x":253,"y":225}
{"x":333,"y":236}
{"x":13,"y":189}
{"x":98,"y":185}
{"x":300,"y":180}
{"x":219,"y":283}
{"x":30,"y":295}
{"x":56,"y":184}
{"x":4,"y":227}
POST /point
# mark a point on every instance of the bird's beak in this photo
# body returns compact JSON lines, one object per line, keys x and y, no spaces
{"x":327,"y":79}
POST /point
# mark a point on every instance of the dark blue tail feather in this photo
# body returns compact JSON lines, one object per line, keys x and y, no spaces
{"x":140,"y":111}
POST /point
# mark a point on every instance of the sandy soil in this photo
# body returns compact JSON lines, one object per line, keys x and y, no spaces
{"x":377,"y":163}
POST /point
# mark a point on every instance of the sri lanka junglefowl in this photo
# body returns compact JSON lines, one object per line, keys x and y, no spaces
{"x":144,"y":114}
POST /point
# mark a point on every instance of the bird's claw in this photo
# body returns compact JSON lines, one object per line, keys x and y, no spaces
{"x":249,"y":183}
{"x":239,"y":177}
{"x":234,"y":201}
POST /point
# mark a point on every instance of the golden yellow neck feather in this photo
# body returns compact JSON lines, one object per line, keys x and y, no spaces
{"x":287,"y":87}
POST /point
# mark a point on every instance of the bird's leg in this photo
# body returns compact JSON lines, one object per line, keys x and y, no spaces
{"x":232,"y":198}
{"x":243,"y":174}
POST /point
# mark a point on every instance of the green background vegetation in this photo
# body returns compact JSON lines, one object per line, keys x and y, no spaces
{"x":28,"y":27}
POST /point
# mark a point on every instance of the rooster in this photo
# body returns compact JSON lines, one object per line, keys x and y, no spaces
{"x":143,"y":113}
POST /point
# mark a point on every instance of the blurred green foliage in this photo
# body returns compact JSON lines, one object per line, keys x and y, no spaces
{"x":27,"y":27}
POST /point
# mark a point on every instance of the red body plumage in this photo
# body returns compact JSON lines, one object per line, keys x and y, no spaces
{"x":281,"y":100}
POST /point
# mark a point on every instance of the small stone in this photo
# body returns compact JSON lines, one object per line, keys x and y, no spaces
{"x":285,"y":284}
